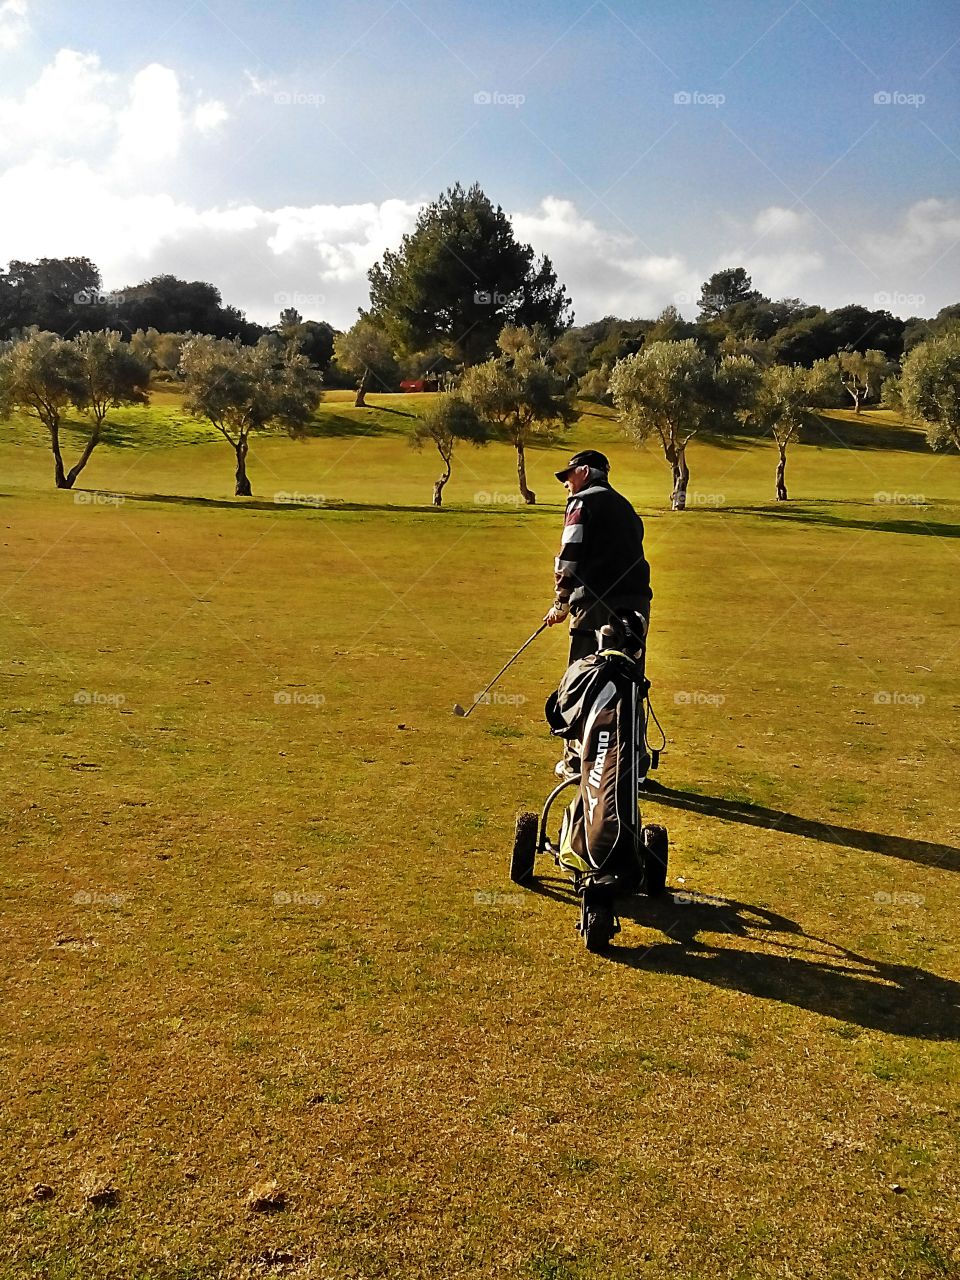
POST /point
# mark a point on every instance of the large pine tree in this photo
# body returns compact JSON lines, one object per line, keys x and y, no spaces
{"x":460,"y":276}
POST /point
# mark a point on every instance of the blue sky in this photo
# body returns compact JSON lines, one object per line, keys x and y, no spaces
{"x":276,"y":150}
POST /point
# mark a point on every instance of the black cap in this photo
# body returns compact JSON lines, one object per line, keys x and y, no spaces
{"x":586,"y":458}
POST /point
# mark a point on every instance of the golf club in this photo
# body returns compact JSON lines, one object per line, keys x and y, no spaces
{"x":459,"y":711}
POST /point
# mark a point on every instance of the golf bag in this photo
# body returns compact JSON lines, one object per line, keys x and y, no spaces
{"x":601,"y":704}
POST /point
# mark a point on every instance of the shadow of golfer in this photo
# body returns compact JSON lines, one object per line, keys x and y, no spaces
{"x":926,"y":852}
{"x":763,"y":954}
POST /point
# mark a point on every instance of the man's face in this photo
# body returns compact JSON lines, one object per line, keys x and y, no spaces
{"x":576,"y":479}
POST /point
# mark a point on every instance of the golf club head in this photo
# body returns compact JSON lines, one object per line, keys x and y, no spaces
{"x":458,"y":710}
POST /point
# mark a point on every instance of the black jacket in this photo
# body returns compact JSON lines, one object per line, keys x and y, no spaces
{"x":601,"y":561}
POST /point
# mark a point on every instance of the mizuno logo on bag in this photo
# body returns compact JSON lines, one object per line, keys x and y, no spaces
{"x":596,"y":773}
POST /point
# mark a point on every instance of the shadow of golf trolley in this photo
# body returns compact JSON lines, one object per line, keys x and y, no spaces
{"x":599,"y":839}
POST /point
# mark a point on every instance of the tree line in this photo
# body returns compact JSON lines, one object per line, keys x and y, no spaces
{"x":66,"y":296}
{"x":668,"y":392}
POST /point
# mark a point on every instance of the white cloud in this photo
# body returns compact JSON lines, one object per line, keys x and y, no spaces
{"x":315,"y":258}
{"x":76,"y":107}
{"x":781,"y":249}
{"x":927,"y":229}
{"x":787,"y":273}
{"x":66,"y":110}
{"x":150,"y":125}
{"x":778,"y":221}
{"x":103,"y":224}
{"x":604,"y":272}
{"x":210,"y":116}
{"x":258,"y":87}
{"x":110,"y":143}
{"x":14,"y":24}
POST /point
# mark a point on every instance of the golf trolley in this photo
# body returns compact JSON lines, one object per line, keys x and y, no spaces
{"x":601,"y":843}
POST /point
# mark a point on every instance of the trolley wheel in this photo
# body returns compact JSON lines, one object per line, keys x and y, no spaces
{"x":598,"y":923}
{"x":597,"y":926}
{"x":524,"y":847}
{"x":655,"y":854}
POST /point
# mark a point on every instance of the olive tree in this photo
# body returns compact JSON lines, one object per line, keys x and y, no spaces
{"x":161,"y":350}
{"x":862,"y":374}
{"x":929,"y":389}
{"x":365,"y":351}
{"x":113,"y":375}
{"x":672,"y":391}
{"x":447,"y":420}
{"x":42,"y":374}
{"x":785,"y":400}
{"x":241,"y":389}
{"x":519,"y":396}
{"x":595,"y":384}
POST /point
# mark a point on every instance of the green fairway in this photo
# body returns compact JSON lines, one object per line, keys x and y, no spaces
{"x":257,"y":917}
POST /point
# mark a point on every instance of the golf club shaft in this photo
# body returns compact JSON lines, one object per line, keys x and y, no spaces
{"x":480,"y":697}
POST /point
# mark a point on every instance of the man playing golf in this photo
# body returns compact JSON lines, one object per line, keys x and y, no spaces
{"x":601,"y":571}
